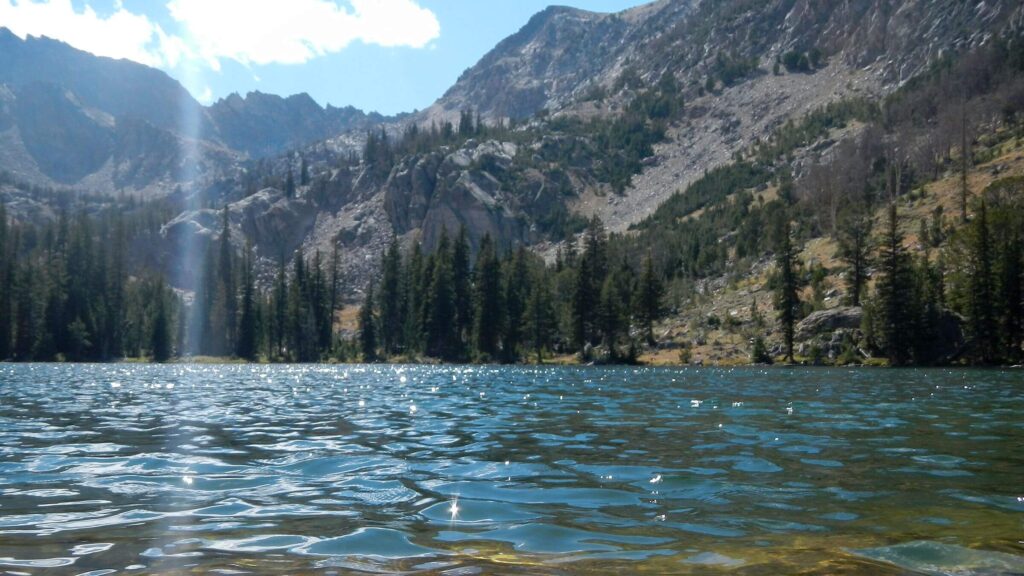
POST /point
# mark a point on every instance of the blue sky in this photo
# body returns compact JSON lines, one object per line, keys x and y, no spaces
{"x":378,"y":55}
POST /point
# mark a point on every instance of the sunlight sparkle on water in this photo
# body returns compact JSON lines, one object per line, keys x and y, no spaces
{"x":588,"y":491}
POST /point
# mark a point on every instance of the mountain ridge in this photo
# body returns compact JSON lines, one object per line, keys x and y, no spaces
{"x":105,"y":92}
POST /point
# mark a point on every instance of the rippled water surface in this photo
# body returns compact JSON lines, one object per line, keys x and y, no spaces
{"x":238,"y":469}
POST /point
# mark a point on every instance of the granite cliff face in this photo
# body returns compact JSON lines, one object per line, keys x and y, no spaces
{"x":463,"y":187}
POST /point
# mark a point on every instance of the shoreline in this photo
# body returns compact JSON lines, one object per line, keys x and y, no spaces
{"x":554,"y":363}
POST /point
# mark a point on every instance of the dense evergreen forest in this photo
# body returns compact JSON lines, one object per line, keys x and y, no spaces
{"x":72,"y":290}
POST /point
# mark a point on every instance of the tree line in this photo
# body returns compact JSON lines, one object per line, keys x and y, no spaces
{"x":509,"y":305}
{"x":66,"y":292}
{"x":69,"y":291}
{"x":289,"y":317}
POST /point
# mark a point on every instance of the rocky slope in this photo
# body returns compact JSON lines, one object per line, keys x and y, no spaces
{"x":573,"y":62}
{"x":561,"y":55}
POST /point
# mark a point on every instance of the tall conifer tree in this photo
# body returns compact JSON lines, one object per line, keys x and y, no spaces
{"x":787,"y":295}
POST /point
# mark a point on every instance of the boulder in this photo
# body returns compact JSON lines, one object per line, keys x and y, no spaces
{"x":828,"y":321}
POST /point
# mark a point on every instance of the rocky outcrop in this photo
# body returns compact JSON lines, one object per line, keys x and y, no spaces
{"x":829,"y":321}
{"x":454,"y":189}
{"x":410,"y":190}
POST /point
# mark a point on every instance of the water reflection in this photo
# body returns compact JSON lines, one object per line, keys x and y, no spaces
{"x":443,"y":470}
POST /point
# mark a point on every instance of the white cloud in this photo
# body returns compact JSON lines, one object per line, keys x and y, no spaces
{"x":295,"y":31}
{"x":122,"y":34}
{"x":247,"y":31}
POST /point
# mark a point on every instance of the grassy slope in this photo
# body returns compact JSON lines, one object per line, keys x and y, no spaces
{"x":729,"y":343}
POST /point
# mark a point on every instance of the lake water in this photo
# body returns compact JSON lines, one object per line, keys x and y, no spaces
{"x":467,"y":470}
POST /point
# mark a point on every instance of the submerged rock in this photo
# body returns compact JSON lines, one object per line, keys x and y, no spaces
{"x":945,"y":559}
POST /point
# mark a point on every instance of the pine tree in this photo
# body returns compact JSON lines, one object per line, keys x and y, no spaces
{"x":539,"y":317}
{"x":391,"y":300}
{"x":279,"y":314}
{"x":160,"y":339}
{"x":415,"y":277}
{"x":289,"y":185}
{"x":296,"y":311}
{"x":334,"y":298}
{"x":52,"y":340}
{"x":368,"y":328}
{"x":855,"y":252}
{"x":320,"y":307}
{"x":516,"y":293}
{"x":650,"y":292}
{"x":965,"y":158}
{"x":1011,"y":296}
{"x":80,"y":331}
{"x":466,"y":127}
{"x":926,"y":310}
{"x":200,"y":335}
{"x":6,"y":286}
{"x":246,"y":346}
{"x":227,"y":305}
{"x":181,"y":330}
{"x":487,"y":301}
{"x":302,"y":327}
{"x":584,"y":300}
{"x":441,"y":330}
{"x":114,"y":319}
{"x":591,"y":272}
{"x":26,"y":323}
{"x":462,"y":284}
{"x":981,"y":320}
{"x":894,"y":293}
{"x":609,"y":316}
{"x":787,"y":295}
